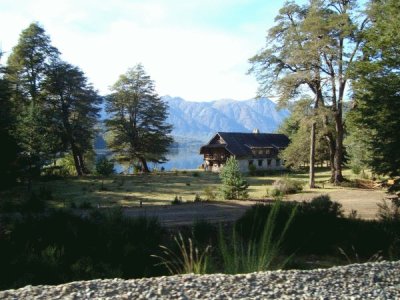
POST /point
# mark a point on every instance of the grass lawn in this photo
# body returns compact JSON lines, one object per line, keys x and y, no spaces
{"x":155,"y":188}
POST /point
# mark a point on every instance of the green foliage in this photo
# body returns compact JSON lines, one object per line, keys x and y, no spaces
{"x":311,"y":49}
{"x":187,"y":260}
{"x":284,"y":186}
{"x":177,"y":200}
{"x":26,"y":73}
{"x":138,"y":119}
{"x":71,"y":109}
{"x":34,"y":203}
{"x":209,"y":193}
{"x":233,"y":185}
{"x":297,"y":128}
{"x":255,"y":254}
{"x":325,"y":206}
{"x":377,"y":101}
{"x":59,"y":247}
{"x":389,"y":210}
{"x":104,"y":166}
{"x":252,"y":170}
{"x":197,"y":198}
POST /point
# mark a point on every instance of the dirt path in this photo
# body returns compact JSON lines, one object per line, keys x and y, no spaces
{"x":362,"y":200}
{"x":187,"y":213}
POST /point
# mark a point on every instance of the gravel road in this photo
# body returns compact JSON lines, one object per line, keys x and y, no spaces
{"x":359,"y":281}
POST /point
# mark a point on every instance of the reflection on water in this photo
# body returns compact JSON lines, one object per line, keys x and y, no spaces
{"x":178,"y":158}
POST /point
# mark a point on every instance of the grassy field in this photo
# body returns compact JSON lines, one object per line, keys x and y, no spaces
{"x":155,"y":188}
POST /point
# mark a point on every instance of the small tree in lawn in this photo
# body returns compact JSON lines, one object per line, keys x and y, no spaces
{"x":233,"y":185}
{"x":105,"y":168}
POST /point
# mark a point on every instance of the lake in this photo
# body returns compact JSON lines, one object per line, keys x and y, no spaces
{"x":178,"y":158}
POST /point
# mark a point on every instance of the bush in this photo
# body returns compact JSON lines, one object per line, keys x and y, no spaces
{"x":260,"y":249}
{"x":177,"y":200}
{"x":323,"y":205}
{"x":209,"y":193}
{"x":252,"y":170}
{"x":233,"y":185}
{"x":104,"y":166}
{"x":197,"y":198}
{"x":389,"y":210}
{"x":34,"y":203}
{"x":85,"y":205}
{"x":287,"y":186}
{"x":60,"y":247}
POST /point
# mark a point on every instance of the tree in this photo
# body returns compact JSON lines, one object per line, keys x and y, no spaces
{"x":376,"y":90}
{"x":9,"y":149}
{"x":137,"y":122}
{"x":28,"y":62}
{"x":296,"y":127}
{"x":311,"y":49}
{"x":26,"y":68}
{"x":233,"y":185}
{"x":70,"y":107}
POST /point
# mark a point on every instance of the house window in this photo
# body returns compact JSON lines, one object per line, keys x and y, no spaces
{"x":267,"y":151}
{"x":260,"y":152}
{"x":278,"y":162}
{"x":250,"y":162}
{"x":269,"y":162}
{"x":260,"y":162}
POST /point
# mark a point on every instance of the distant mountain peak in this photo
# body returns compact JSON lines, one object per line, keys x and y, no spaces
{"x":200,"y":120}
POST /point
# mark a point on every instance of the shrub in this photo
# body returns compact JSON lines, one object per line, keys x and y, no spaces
{"x":197,"y":198}
{"x":323,"y":205}
{"x":85,"y":205}
{"x":260,"y":252}
{"x":287,"y":186}
{"x":177,"y":200}
{"x":187,"y":260}
{"x":209,"y":193}
{"x":60,"y":246}
{"x":389,"y":210}
{"x":252,"y":170}
{"x":104,"y":166}
{"x":34,"y":203}
{"x":233,"y":185}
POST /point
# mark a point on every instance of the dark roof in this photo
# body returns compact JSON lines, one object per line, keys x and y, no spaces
{"x":240,"y":144}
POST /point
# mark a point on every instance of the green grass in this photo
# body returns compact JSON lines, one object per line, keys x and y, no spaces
{"x":154,"y":189}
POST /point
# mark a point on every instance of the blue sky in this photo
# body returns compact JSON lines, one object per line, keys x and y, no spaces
{"x":195,"y":49}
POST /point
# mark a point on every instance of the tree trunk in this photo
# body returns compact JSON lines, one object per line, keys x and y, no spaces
{"x":332,"y":151}
{"x":312,"y":157}
{"x":339,"y":149}
{"x":82,"y":163}
{"x":145,"y":168}
{"x":75,"y":155}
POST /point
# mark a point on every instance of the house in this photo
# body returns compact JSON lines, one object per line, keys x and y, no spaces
{"x":258,"y":149}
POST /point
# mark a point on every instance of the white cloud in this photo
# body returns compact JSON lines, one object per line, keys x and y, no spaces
{"x":104,"y":39}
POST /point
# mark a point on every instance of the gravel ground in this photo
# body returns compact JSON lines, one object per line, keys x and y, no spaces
{"x":358,"y":281}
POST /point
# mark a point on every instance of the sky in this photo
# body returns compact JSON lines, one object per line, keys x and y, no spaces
{"x":194,"y":49}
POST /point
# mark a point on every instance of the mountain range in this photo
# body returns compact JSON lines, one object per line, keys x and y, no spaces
{"x":200,"y":120}
{"x":194,"y":123}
